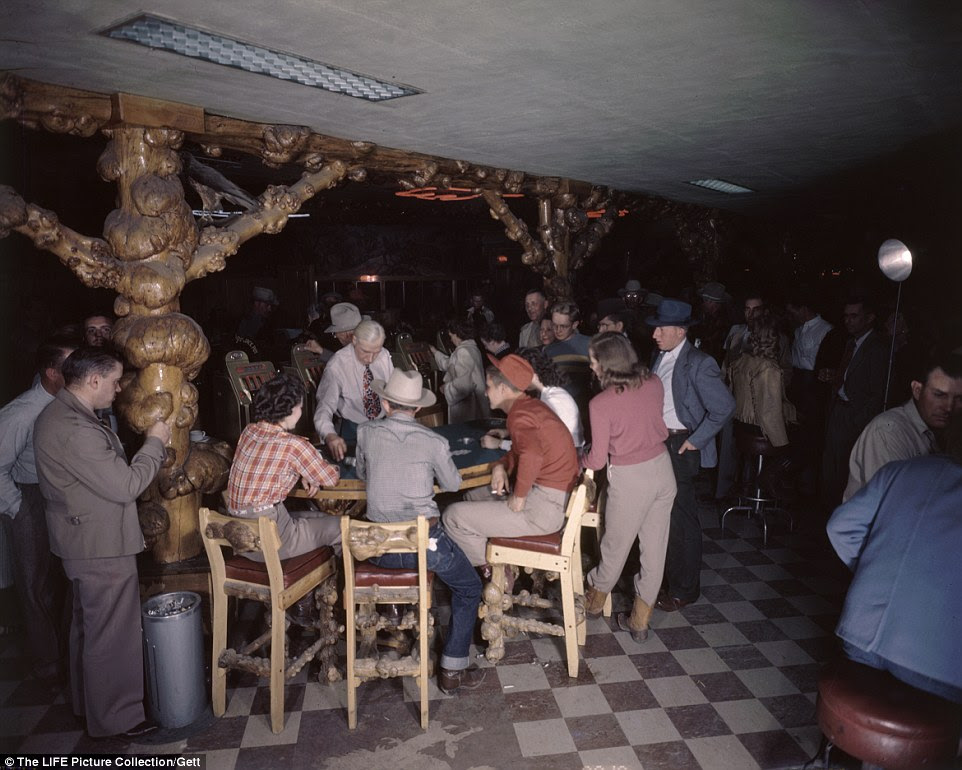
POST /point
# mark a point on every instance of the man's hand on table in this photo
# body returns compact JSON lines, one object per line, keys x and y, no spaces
{"x":490,"y":441}
{"x":336,"y":446}
{"x":311,"y":487}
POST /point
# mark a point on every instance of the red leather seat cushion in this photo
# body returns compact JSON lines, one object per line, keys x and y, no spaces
{"x":538,"y":543}
{"x":242,"y":568}
{"x":879,"y":719}
{"x":367,"y":574}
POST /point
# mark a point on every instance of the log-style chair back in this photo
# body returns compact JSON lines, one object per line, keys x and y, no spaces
{"x":366,"y":585}
{"x":560,"y":553}
{"x":276,"y":583}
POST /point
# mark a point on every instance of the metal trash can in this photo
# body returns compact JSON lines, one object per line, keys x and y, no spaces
{"x":174,"y":658}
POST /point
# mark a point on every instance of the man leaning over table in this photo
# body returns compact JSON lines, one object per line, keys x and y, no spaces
{"x":346,"y":389}
{"x":399,"y":459}
{"x":542,"y":460}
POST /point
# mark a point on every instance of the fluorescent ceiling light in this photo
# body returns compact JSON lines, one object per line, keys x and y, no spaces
{"x":720,"y":185}
{"x":155,"y":32}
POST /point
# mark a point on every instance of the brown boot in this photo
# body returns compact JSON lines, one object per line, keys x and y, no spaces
{"x":637,"y":622}
{"x":594,"y":602}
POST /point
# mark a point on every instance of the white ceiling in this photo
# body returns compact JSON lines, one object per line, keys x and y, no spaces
{"x":641,"y":95}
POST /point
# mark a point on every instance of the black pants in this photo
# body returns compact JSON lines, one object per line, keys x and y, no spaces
{"x":683,"y":564}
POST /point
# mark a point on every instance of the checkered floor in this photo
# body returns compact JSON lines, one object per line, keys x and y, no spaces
{"x":728,"y":682}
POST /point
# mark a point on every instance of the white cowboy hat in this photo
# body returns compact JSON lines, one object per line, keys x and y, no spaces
{"x":404,"y":388}
{"x":344,"y":318}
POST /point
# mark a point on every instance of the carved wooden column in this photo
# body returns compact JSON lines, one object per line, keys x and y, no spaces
{"x":151,"y":248}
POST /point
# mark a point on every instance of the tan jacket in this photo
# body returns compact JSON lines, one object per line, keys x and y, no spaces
{"x":89,"y":488}
{"x":760,"y":400}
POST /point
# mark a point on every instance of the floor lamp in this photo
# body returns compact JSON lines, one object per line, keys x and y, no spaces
{"x":895,"y":262}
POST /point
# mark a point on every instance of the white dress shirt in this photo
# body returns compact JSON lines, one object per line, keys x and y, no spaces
{"x":665,"y":369}
{"x":341,"y":389}
{"x":808,"y":338}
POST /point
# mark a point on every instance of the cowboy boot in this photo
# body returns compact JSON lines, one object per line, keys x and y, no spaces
{"x":594,"y":602}
{"x":637,"y":622}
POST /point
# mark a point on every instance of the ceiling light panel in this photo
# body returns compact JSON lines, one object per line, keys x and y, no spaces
{"x":720,"y":185}
{"x":155,"y":32}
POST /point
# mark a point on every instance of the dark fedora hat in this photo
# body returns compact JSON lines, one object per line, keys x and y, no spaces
{"x":671,"y":312}
{"x":612,"y":306}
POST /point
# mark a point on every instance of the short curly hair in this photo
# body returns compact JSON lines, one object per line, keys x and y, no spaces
{"x":545,"y":367}
{"x":277,"y":398}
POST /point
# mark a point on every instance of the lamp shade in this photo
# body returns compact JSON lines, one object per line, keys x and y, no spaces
{"x":895,"y":260}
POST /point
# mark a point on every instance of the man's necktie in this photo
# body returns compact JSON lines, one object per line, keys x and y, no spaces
{"x":372,"y":402}
{"x":843,"y":365}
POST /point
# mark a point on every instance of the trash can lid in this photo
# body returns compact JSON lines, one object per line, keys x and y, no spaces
{"x":171,"y":604}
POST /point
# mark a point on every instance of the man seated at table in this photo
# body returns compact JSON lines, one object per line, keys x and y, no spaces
{"x":542,"y":460}
{"x":270,"y":461}
{"x":400,"y":460}
{"x":901,"y":535}
{"x":345,"y":387}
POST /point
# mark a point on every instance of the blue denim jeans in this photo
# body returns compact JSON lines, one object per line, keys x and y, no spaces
{"x":452,"y":567}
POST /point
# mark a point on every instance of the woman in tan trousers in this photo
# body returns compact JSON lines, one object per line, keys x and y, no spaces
{"x":628,"y":435}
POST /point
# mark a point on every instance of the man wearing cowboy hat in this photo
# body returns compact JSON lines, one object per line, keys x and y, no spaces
{"x":715,"y":321}
{"x":346,"y":387}
{"x":542,"y":460}
{"x":345,"y":318}
{"x":697,"y":406}
{"x":400,"y":459}
{"x":255,"y":324}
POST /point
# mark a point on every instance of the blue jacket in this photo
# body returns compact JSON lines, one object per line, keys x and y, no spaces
{"x":902,"y":536}
{"x":703,"y":402}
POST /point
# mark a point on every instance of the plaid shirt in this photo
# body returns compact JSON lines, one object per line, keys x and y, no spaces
{"x":269,"y":462}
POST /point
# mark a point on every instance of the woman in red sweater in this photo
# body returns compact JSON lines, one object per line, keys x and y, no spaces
{"x":628,"y":435}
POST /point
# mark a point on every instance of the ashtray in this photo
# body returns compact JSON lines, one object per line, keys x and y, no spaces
{"x":466,"y":441}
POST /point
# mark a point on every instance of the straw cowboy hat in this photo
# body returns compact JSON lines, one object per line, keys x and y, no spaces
{"x":404,"y":388}
{"x":344,"y":318}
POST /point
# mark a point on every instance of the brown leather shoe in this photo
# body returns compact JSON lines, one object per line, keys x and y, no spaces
{"x":672,"y":603}
{"x":449,"y":682}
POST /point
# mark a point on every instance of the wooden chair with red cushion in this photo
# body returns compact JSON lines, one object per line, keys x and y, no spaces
{"x":559,"y":553}
{"x":279,"y":585}
{"x":366,"y":585}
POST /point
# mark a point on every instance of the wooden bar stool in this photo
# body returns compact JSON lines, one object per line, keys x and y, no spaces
{"x":559,"y":553}
{"x":279,"y":585}
{"x":366,"y":585}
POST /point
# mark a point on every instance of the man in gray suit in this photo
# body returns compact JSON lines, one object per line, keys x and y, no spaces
{"x":90,"y":491}
{"x":697,"y":406}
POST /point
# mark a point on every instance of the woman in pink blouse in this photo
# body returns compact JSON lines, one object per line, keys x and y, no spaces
{"x":628,"y":435}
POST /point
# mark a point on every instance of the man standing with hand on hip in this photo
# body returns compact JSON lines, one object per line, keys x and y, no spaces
{"x":90,"y":491}
{"x":697,"y":406}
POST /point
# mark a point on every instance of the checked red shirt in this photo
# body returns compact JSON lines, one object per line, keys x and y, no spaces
{"x":268,"y":464}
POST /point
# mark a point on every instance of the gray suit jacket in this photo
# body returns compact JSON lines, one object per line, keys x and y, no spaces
{"x":89,"y":488}
{"x":703,"y":403}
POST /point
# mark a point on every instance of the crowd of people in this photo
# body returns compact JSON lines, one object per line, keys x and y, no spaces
{"x":650,"y":388}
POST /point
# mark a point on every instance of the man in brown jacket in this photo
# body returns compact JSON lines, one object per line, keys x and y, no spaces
{"x":90,"y":491}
